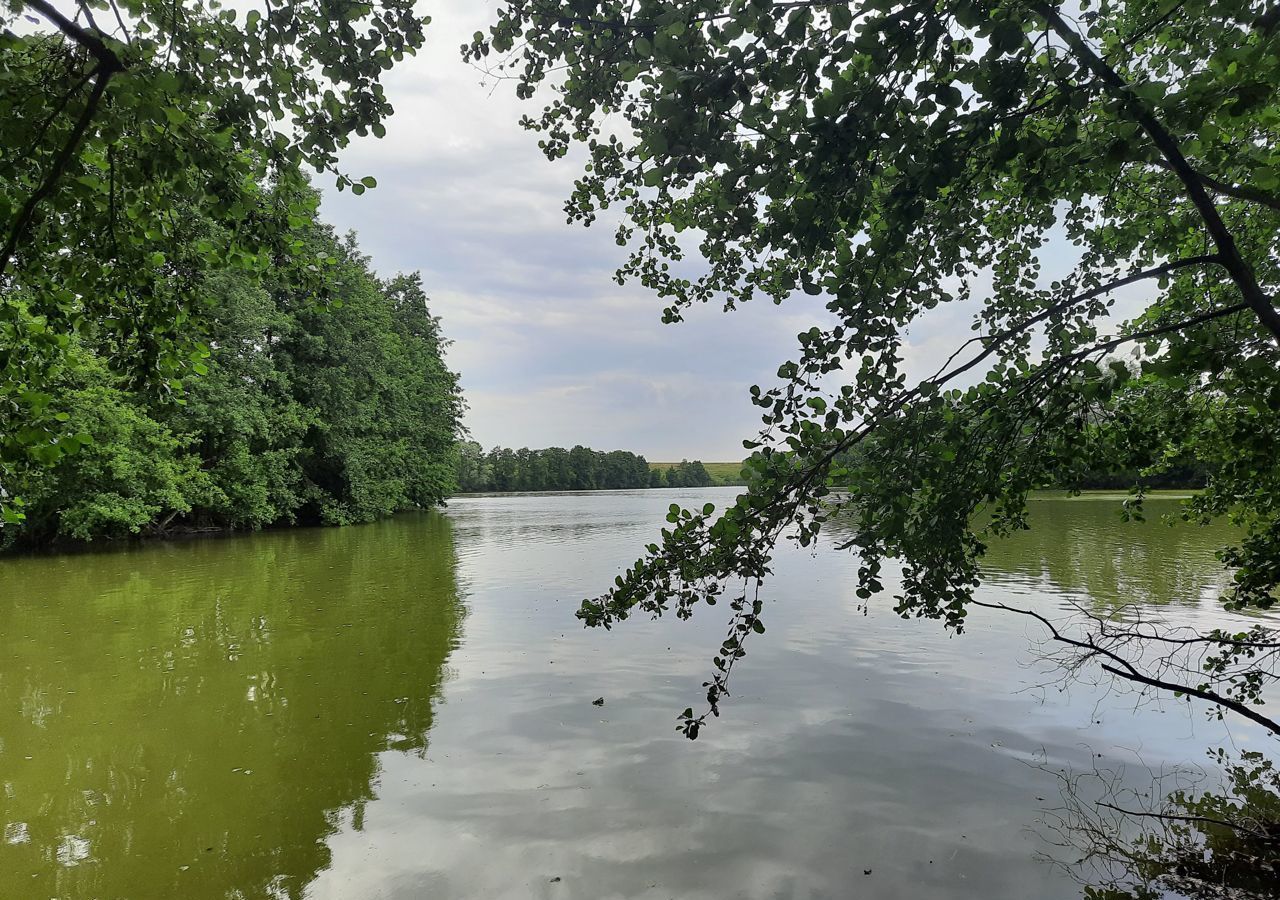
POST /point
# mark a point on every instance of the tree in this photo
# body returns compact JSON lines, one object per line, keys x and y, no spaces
{"x":321,"y":400}
{"x":474,"y":472}
{"x":686,"y":474}
{"x":425,"y":406}
{"x":123,"y":121}
{"x":247,"y":426}
{"x":559,"y":470}
{"x":502,"y":463}
{"x":384,"y":410}
{"x":583,"y":464}
{"x":696,"y":474}
{"x":129,"y":473}
{"x":623,"y":470}
{"x":894,"y":157}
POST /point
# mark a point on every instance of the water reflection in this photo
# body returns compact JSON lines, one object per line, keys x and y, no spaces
{"x":1189,"y":834}
{"x":195,"y":720}
{"x":270,"y":698}
{"x":1079,"y":546}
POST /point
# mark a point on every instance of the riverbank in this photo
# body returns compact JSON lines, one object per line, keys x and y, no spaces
{"x":185,"y":533}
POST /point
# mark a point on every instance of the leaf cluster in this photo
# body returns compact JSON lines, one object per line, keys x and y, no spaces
{"x":125,"y":124}
{"x":322,"y":398}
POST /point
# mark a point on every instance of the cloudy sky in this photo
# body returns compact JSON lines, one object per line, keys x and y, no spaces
{"x":551,"y":350}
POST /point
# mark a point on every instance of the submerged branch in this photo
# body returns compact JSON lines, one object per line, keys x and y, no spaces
{"x":1124,"y":668}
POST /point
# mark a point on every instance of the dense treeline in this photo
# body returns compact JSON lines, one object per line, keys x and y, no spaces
{"x":122,"y":133}
{"x":682,"y":474}
{"x":323,"y":399}
{"x":558,"y":469}
{"x":1182,"y":477}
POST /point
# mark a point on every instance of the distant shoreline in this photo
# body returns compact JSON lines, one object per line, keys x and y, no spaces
{"x":634,"y":490}
{"x":725,"y":473}
{"x":1040,"y":494}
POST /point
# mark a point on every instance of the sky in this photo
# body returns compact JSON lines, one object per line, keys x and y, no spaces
{"x":552,"y":352}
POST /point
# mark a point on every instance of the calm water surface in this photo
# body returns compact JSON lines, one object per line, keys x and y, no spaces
{"x":404,"y":710}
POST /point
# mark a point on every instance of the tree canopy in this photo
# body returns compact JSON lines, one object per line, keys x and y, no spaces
{"x":1032,"y":167}
{"x":557,"y":469}
{"x":686,"y":474}
{"x":124,"y":123}
{"x":330,"y":408}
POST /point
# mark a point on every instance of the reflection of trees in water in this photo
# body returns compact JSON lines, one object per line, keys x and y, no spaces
{"x":1173,"y":840}
{"x":1080,"y":546}
{"x":196,"y":719}
{"x":1167,"y":840}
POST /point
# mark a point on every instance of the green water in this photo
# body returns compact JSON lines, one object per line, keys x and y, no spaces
{"x":191,"y":720}
{"x":405,"y":710}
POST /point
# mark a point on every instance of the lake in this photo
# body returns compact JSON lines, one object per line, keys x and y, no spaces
{"x":405,"y":710}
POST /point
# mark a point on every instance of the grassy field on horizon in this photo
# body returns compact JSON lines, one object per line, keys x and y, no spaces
{"x":722,"y":472}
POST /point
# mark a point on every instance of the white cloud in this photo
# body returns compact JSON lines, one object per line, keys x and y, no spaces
{"x":551,"y":350}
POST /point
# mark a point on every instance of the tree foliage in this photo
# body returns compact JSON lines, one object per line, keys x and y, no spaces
{"x":1024,"y":164}
{"x":126,"y":121}
{"x":329,"y":407}
{"x":552,"y":469}
{"x":686,"y":474}
{"x":131,"y":471}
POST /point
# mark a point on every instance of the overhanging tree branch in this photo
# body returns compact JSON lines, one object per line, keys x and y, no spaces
{"x":1131,"y":674}
{"x":56,"y":170}
{"x":1123,"y":668}
{"x":1239,"y":191}
{"x":1241,"y":272}
{"x":998,"y":338}
{"x":85,"y":37}
{"x":1159,"y":330}
{"x":108,"y":64}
